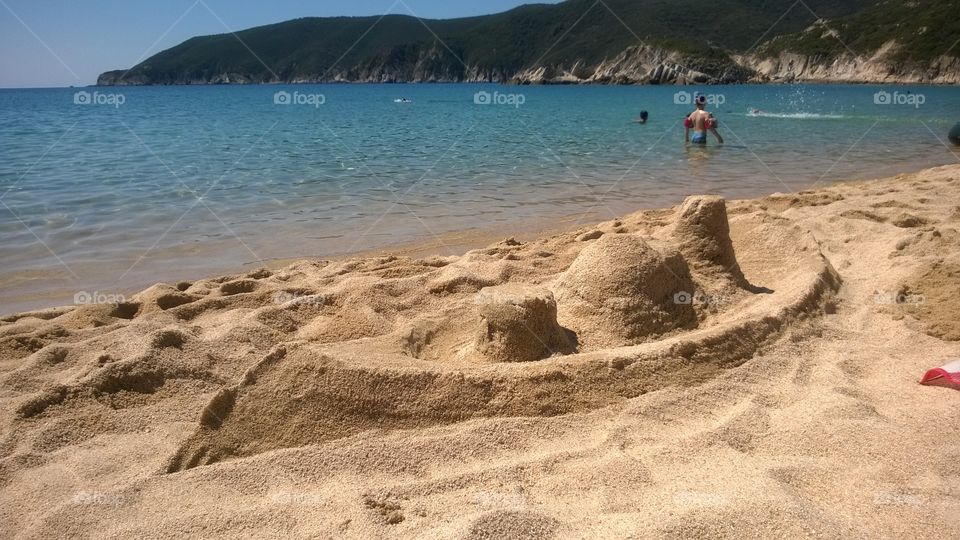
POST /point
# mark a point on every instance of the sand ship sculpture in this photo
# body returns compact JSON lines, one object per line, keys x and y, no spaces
{"x":323,"y":350}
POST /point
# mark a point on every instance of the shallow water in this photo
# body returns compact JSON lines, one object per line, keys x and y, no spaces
{"x":169,"y":183}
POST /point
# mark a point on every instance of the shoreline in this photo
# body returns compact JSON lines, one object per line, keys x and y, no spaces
{"x":454,"y":242}
{"x":428,"y":83}
{"x":839,"y":82}
{"x":443,"y":244}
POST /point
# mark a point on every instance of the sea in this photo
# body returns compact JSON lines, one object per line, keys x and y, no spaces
{"x":104,"y":191}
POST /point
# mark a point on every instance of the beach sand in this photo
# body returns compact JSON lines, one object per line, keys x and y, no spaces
{"x":731,"y":369}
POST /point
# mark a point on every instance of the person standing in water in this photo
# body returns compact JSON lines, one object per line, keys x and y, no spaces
{"x":700,"y":121}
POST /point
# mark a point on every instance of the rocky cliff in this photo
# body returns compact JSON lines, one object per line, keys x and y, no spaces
{"x":641,"y":64}
{"x":847,"y":68}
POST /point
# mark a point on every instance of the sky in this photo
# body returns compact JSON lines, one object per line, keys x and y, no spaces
{"x":56,"y":43}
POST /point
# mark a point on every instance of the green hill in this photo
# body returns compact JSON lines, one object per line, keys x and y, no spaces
{"x":922,"y":30}
{"x":567,"y":42}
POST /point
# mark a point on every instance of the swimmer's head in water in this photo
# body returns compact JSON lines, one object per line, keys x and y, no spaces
{"x":701,"y":101}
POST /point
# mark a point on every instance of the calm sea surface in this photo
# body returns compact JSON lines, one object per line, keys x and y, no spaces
{"x":107,"y":190}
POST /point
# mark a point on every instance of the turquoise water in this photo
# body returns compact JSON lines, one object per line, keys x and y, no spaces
{"x":145,"y":184}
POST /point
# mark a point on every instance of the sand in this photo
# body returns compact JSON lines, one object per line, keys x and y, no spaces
{"x":730,"y":369}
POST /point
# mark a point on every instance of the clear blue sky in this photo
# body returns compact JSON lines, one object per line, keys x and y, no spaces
{"x":46,"y":43}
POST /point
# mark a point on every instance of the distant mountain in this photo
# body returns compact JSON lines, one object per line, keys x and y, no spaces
{"x":585,"y":41}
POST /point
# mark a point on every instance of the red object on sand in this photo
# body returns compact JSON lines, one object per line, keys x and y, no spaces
{"x":948,"y":375}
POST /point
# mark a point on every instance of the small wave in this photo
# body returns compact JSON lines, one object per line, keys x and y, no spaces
{"x":795,"y":116}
